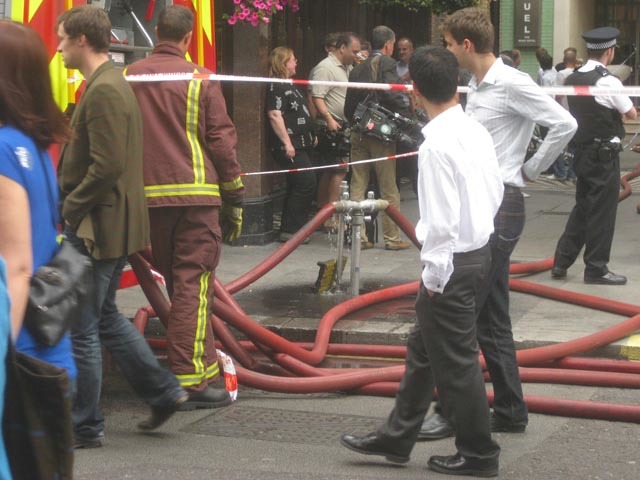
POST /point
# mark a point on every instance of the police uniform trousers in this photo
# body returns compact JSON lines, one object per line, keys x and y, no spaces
{"x":364,"y":147}
{"x":442,"y":350}
{"x":593,"y":219}
{"x":186,"y":243}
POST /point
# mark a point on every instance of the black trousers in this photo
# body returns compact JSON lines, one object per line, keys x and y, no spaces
{"x":593,"y":219}
{"x":494,"y":330}
{"x":301,"y":188}
{"x":442,"y":350}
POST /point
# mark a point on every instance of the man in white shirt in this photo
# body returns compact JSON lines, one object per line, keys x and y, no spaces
{"x":459,"y":192}
{"x":508,"y":104}
{"x":597,"y":164}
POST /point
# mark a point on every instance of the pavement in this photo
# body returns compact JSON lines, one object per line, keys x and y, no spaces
{"x":284,"y":299}
{"x":275,"y":436}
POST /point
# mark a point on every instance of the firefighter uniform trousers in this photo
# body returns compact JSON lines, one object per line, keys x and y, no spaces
{"x":186,"y":243}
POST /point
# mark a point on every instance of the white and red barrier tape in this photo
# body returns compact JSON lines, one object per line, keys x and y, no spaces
{"x":579,"y":90}
{"x":320,"y":167}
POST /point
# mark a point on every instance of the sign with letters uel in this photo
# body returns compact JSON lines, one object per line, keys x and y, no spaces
{"x":528,"y":23}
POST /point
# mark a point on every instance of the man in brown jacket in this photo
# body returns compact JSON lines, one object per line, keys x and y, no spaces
{"x":105,"y":214}
{"x":192,"y":179}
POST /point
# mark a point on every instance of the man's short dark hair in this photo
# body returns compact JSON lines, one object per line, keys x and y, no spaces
{"x":381,"y":35}
{"x":344,"y":38}
{"x":90,"y":21}
{"x":174,"y":22}
{"x":546,"y":62}
{"x":434,"y":71}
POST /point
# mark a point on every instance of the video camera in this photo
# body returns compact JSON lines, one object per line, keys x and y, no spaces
{"x":379,"y":122}
{"x":334,"y":142}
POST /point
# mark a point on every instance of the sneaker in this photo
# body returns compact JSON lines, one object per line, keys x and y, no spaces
{"x":553,"y":177}
{"x":399,"y":245}
{"x":81,"y":443}
{"x":525,"y":195}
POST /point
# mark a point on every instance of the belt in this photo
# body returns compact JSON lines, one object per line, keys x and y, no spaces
{"x":478,"y":251}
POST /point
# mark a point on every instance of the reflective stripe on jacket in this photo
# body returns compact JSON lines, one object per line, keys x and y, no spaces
{"x":189,"y":140}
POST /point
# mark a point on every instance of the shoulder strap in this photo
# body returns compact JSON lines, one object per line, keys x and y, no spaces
{"x":375,"y":68}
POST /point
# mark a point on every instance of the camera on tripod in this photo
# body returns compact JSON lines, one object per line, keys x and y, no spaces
{"x":379,"y":122}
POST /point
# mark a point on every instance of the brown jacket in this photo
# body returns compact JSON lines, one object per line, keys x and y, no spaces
{"x":189,"y":140}
{"x":100,"y":170}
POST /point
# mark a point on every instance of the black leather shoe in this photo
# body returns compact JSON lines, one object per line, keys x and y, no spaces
{"x":435,"y":427}
{"x":159,"y":415}
{"x":208,"y":398}
{"x":608,"y":278}
{"x":459,"y":465}
{"x":371,"y":444}
{"x":500,"y":425}
{"x":557,"y":272}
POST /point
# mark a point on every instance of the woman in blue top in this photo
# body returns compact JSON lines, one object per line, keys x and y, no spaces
{"x":4,"y":340}
{"x":30,"y":122}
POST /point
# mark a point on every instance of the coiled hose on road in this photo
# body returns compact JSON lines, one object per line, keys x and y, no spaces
{"x":292,"y":367}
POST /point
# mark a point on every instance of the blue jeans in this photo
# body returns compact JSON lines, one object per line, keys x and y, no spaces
{"x":560,"y":170}
{"x":494,"y":322}
{"x":102,"y":323}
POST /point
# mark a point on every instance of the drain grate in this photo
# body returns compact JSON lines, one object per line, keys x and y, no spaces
{"x":287,"y":426}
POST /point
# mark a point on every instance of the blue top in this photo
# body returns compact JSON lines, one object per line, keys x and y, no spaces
{"x":5,"y":323}
{"x":22,"y":162}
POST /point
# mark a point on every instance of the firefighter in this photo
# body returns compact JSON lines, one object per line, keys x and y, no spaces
{"x":194,"y":192}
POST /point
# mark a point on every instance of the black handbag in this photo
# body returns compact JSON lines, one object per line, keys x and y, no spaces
{"x":57,"y":294}
{"x":58,"y":290}
{"x":37,"y":426}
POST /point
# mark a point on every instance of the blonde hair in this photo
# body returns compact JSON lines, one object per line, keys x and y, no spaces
{"x":278,"y":59}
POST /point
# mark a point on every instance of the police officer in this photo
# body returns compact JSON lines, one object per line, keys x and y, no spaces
{"x":597,"y":164}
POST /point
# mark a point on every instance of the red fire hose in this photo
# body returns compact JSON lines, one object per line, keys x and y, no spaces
{"x":302,"y":359}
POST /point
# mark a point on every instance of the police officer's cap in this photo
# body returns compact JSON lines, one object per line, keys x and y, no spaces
{"x":601,"y":38}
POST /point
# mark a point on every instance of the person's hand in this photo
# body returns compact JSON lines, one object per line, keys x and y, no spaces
{"x":289,"y":151}
{"x":524,"y":176}
{"x":636,"y":148}
{"x":332,"y":125}
{"x":230,"y":222}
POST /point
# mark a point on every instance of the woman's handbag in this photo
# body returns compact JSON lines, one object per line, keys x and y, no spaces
{"x":57,"y":294}
{"x":37,"y":426}
{"x":58,"y":289}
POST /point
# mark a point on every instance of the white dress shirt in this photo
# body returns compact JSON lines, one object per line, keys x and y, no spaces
{"x":508,"y":103}
{"x":459,"y":192}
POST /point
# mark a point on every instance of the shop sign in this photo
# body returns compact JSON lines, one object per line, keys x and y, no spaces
{"x":528,"y":23}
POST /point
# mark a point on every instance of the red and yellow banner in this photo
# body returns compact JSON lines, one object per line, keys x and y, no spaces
{"x":41,"y":15}
{"x":203,"y":45}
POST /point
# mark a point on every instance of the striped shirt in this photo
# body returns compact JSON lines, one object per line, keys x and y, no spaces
{"x":509,"y":104}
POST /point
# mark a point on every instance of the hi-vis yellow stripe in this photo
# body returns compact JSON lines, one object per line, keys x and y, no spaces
{"x":232,"y":185}
{"x":182,"y":190}
{"x":193,"y":100}
{"x":189,"y":380}
{"x":201,"y":327}
{"x":199,"y":341}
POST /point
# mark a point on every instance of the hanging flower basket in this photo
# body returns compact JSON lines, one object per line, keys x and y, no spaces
{"x":254,"y":12}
